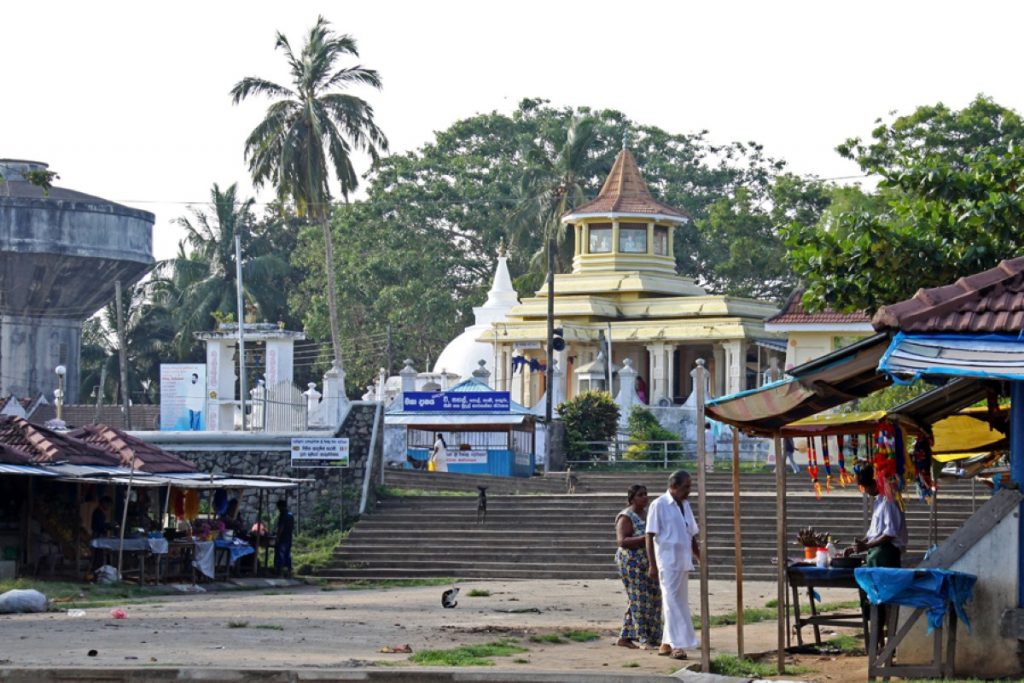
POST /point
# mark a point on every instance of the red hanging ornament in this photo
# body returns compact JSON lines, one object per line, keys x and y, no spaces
{"x":827,"y":463}
{"x":812,"y":466}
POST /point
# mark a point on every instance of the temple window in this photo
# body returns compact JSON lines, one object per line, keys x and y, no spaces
{"x":633,"y":238}
{"x":661,"y":240}
{"x":600,"y":238}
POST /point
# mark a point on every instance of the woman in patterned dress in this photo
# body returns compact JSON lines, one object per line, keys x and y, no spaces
{"x":642,"y":620}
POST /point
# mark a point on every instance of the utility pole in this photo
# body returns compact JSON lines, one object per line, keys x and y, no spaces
{"x":389,"y":352}
{"x":122,"y":354}
{"x":242,"y":388}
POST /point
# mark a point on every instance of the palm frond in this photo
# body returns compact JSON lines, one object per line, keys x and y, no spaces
{"x":251,"y":85}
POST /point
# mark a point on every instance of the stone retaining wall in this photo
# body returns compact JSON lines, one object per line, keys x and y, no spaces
{"x":334,"y":495}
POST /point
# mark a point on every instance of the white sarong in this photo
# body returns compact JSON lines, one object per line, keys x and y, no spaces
{"x":675,"y":606}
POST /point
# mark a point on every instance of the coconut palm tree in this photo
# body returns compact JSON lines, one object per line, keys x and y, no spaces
{"x":202,"y":275}
{"x":310,"y":130}
{"x":554,"y":182}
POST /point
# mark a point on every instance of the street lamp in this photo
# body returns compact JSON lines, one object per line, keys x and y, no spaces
{"x":58,"y":393}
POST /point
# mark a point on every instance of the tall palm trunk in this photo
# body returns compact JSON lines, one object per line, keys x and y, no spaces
{"x":332,"y":289}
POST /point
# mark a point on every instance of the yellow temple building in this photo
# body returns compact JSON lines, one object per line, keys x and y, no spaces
{"x":625,"y":294}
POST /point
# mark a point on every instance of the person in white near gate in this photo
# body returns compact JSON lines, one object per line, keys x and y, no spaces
{"x":671,"y":547}
{"x":439,"y":454}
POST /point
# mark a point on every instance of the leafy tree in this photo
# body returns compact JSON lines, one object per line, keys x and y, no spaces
{"x":948,"y":204}
{"x":202,"y":276}
{"x":644,"y":427}
{"x":310,"y":131}
{"x":588,"y":416}
{"x":435,"y":217}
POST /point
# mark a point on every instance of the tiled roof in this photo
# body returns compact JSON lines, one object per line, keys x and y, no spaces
{"x":988,"y":302}
{"x":147,"y":457}
{"x":625,"y":191}
{"x":9,"y":455}
{"x":47,"y":446}
{"x":793,"y":313}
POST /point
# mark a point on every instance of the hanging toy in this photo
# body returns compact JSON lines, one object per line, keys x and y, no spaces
{"x":812,"y":466}
{"x":885,"y":461}
{"x":845,"y":477}
{"x":827,"y":463}
{"x":922,"y":459}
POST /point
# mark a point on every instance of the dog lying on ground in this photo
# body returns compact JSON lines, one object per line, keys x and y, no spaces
{"x":481,"y":505}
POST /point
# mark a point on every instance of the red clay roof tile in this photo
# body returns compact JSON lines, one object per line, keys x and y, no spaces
{"x":624,"y":191}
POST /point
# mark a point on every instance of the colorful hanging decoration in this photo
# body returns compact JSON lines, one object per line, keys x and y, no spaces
{"x":812,"y":466}
{"x":828,"y":465}
{"x":922,"y":459}
{"x":845,"y":477}
{"x":522,"y":363}
{"x":886,"y":461}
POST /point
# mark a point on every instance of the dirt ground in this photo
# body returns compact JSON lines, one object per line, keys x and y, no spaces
{"x":334,"y":627}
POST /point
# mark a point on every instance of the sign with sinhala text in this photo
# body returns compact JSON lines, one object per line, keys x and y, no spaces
{"x":476,"y":456}
{"x":481,"y":402}
{"x":319,"y":452}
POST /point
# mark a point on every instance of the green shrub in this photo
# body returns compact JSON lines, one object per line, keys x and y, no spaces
{"x":589,"y":416}
{"x":644,"y":427}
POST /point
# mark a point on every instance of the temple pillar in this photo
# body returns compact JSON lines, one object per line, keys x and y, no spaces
{"x":734,"y":370}
{"x":662,"y":371}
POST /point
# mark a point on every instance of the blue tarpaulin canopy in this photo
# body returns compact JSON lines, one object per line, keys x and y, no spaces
{"x":989,"y":356}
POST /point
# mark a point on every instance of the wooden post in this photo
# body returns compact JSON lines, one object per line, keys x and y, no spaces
{"x":702,"y":513}
{"x":738,"y":538}
{"x":780,"y":549}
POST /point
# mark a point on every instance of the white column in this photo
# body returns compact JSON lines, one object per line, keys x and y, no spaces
{"x":220,"y":385}
{"x":280,"y":361}
{"x":626,"y":397}
{"x":662,"y":367}
{"x":735,"y":370}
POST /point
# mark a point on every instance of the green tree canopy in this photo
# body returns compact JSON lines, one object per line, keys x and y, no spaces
{"x":948,"y":204}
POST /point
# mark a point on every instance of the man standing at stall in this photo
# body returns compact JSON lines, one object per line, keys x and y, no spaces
{"x":671,"y":547}
{"x":283,"y":540}
{"x":886,"y":539}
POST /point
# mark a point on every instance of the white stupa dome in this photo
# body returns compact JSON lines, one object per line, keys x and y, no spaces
{"x":463,"y":354}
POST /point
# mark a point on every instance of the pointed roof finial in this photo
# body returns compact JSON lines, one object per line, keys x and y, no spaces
{"x":501,"y":248}
{"x":625,"y":138}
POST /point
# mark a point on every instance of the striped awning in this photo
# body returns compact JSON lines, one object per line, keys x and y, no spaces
{"x":987,"y":356}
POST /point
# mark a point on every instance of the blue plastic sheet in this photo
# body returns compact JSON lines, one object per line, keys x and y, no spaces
{"x":931,"y":589}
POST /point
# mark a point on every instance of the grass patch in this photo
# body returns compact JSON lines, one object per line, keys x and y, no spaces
{"x":396,"y":492}
{"x":520,"y":660}
{"x":311,"y":553}
{"x":270,"y":627}
{"x":848,"y":645}
{"x":836,"y":606}
{"x":237,"y":624}
{"x":577,"y":636}
{"x":729,"y":665}
{"x":478,"y":593}
{"x":468,"y":655}
{"x":631,"y":665}
{"x":582,"y":636}
{"x":365,"y":584}
{"x":750,"y":616}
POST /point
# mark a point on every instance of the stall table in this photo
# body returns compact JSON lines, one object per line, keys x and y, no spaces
{"x":141,"y":548}
{"x":801,"y":575}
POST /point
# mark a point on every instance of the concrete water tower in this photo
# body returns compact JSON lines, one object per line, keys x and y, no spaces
{"x":60,"y":253}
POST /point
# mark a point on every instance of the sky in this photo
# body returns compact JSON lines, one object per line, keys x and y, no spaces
{"x":129,"y":100}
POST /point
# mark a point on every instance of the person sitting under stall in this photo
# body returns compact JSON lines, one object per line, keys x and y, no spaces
{"x":232,"y":520}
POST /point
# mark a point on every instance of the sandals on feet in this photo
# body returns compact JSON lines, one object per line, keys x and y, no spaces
{"x":677,"y":654}
{"x":622,"y":642}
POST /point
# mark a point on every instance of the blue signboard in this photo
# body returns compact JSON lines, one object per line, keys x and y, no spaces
{"x":475,"y":402}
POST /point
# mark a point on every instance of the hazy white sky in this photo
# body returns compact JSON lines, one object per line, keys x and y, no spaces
{"x":129,"y":100}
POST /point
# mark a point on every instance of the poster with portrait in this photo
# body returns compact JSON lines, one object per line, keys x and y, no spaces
{"x":182,"y":397}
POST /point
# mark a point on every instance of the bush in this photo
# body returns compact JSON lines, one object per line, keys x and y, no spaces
{"x":644,"y":427}
{"x":589,"y":416}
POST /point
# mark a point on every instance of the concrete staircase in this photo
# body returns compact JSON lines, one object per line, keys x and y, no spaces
{"x":543,"y":535}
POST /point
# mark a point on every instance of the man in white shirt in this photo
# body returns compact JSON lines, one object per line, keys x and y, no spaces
{"x":671,"y":547}
{"x":886,"y":539}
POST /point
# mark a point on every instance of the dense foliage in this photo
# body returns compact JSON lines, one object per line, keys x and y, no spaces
{"x":588,"y":416}
{"x":643,"y":428}
{"x":948,"y":204}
